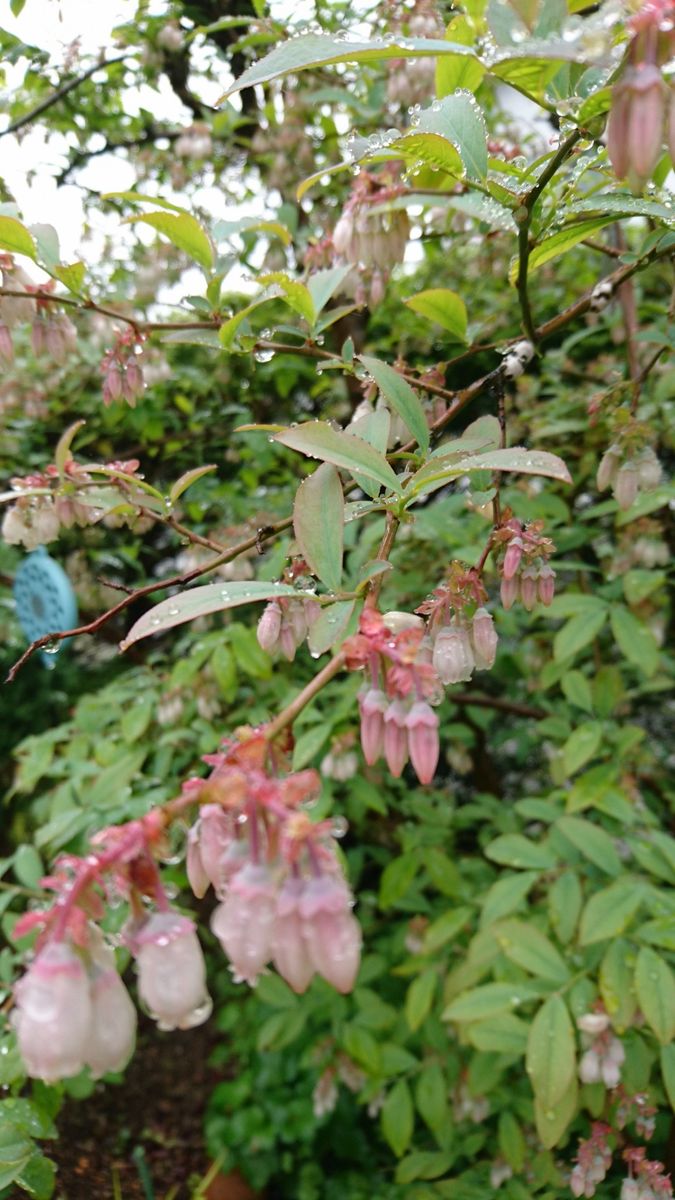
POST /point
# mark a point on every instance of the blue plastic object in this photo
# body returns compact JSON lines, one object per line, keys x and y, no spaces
{"x":45,"y":600}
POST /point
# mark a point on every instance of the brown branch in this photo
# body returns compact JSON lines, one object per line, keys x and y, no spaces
{"x":288,"y":714}
{"x":507,"y":706}
{"x":59,"y":94}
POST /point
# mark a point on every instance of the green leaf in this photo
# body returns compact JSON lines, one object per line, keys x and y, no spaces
{"x":399,"y":394}
{"x":565,"y":900}
{"x":71,"y":276}
{"x":655,"y":988}
{"x":562,"y":241}
{"x":616,"y":983}
{"x":28,"y":866}
{"x":423,"y":1164}
{"x":38,"y":1177}
{"x":551,"y":1056}
{"x":668,"y":1072}
{"x":187,"y":479}
{"x":459,"y":119}
{"x":397,"y":878}
{"x":47,"y":243}
{"x":577,"y":633}
{"x":15,"y":237}
{"x":511,"y":1140}
{"x":200,"y":601}
{"x":609,"y":911}
{"x":515,"y":850}
{"x":444,"y":307}
{"x":320,"y":50}
{"x":581,"y":746}
{"x":229,"y":329}
{"x":183,"y":231}
{"x":445,"y":928}
{"x":552,"y":1123}
{"x":530,"y":949}
{"x":577,"y":690}
{"x":502,"y":1034}
{"x":635,"y":641}
{"x":318,"y":439}
{"x":591,"y":841}
{"x":506,"y":895}
{"x":318,"y":524}
{"x":323,"y":284}
{"x":419,"y":998}
{"x":297,"y":296}
{"x":15,"y":1151}
{"x":373,"y":428}
{"x":489,"y":1000}
{"x":360,"y":1045}
{"x":458,"y":72}
{"x":398,"y":1118}
{"x":431,"y":1097}
{"x":331,"y":626}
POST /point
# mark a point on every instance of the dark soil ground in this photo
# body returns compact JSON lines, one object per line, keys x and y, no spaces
{"x":142,"y":1140}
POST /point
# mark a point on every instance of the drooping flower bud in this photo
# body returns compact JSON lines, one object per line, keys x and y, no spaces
{"x":484,"y":638}
{"x":332,"y":932}
{"x":53,"y":1014}
{"x":626,"y":485}
{"x":609,"y":465}
{"x":589,"y":1067}
{"x":423,"y":740}
{"x":112,"y":1033}
{"x":509,"y":591}
{"x":373,"y":704}
{"x":635,"y":126}
{"x":546,"y":584}
{"x":197,"y":877}
{"x":244,"y":922}
{"x":269,"y":627}
{"x":649,"y":469}
{"x":528,"y":587}
{"x":396,"y":737}
{"x":453,"y":657}
{"x":514,"y":553}
{"x":290,"y":950}
{"x":6,"y":344}
{"x":171,"y":971}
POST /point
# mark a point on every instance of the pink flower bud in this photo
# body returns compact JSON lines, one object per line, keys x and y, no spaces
{"x":589,"y":1067}
{"x":197,"y":877}
{"x":630,"y":1190}
{"x":113,"y":1027}
{"x":6,"y":344}
{"x":396,"y":737}
{"x":617,"y":130}
{"x":546,"y":584}
{"x":53,"y":1014}
{"x":453,"y":659}
{"x":626,"y":486}
{"x":244,"y":922}
{"x":609,"y":465}
{"x":287,"y":642}
{"x":297,"y":619}
{"x":528,"y":587}
{"x":112,"y":385}
{"x":343,"y":236}
{"x":484,"y":638}
{"x":38,"y":338}
{"x":610,"y":1072}
{"x":269,"y":627}
{"x":593,"y":1023}
{"x":373,"y":704}
{"x":377,"y":289}
{"x":290,"y":951}
{"x":54,"y":342}
{"x":215,"y":840}
{"x":509,"y":591}
{"x":514,"y":553}
{"x":332,"y":932}
{"x":578,"y":1182}
{"x":171,"y":971}
{"x":133,"y":379}
{"x":671,"y":125}
{"x":645,"y":121}
{"x":422,"y":726}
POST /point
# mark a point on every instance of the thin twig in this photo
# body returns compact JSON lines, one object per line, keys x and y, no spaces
{"x":496,"y":702}
{"x":59,"y":94}
{"x":288,"y":714}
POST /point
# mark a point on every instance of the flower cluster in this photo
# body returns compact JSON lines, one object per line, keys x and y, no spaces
{"x":52,"y":333}
{"x":284,"y":625}
{"x":643,"y":107}
{"x":283,"y":896}
{"x":411,"y":81}
{"x":370,"y":237}
{"x":526,"y":572}
{"x":628,"y":472}
{"x":71,"y":1008}
{"x":604,"y":1053}
{"x":122,"y":372}
{"x":62,"y":497}
{"x":593,"y":1161}
{"x":647,"y":1179}
{"x":397,"y":719}
{"x":461,"y":629}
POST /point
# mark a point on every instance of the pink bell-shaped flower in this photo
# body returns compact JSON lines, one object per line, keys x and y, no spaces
{"x":290,"y":951}
{"x":453,"y":657}
{"x":373,"y":704}
{"x":53,"y":1014}
{"x":396,"y":737}
{"x":546,"y":584}
{"x":197,"y":877}
{"x":112,"y":1034}
{"x":269,"y":627}
{"x":171,"y":971}
{"x":484,"y":638}
{"x":244,"y":922}
{"x":332,"y":932}
{"x":509,"y":591}
{"x":422,"y":726}
{"x":528,"y":587}
{"x":514,"y":553}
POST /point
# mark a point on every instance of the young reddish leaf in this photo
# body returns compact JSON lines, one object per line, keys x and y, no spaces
{"x":318,"y":439}
{"x":399,"y":394}
{"x":318,"y":522}
{"x":199,"y":602}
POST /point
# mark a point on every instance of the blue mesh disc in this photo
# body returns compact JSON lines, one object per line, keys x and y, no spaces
{"x":45,"y":600}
